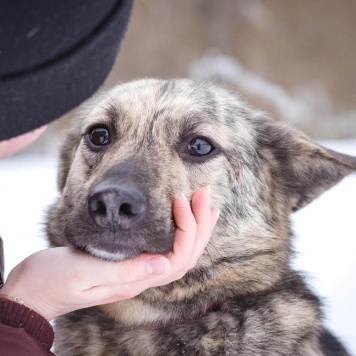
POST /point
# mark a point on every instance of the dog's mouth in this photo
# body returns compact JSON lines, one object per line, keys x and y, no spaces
{"x":119,"y":255}
{"x":103,"y":243}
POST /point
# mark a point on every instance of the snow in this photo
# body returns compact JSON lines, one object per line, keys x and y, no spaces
{"x":325,"y":231}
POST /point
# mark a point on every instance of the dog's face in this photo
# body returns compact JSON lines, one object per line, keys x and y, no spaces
{"x":145,"y":142}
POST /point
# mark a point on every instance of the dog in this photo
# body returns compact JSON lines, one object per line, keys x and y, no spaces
{"x":122,"y":165}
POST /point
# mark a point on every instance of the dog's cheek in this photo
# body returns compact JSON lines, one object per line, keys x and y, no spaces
{"x":164,"y":189}
{"x":67,"y":208}
{"x":55,"y":225}
{"x":238,"y":201}
{"x":209,"y":173}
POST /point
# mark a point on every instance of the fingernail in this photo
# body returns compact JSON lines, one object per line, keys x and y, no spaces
{"x":184,"y":198}
{"x":157,"y":266}
{"x":217,"y":216}
{"x":208,"y":192}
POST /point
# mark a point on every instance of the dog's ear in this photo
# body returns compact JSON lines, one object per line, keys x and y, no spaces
{"x":67,"y":152}
{"x":306,"y":168}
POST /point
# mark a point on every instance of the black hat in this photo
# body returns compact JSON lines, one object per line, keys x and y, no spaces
{"x":54,"y":54}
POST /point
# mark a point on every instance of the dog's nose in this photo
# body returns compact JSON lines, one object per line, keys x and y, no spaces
{"x":116,"y":207}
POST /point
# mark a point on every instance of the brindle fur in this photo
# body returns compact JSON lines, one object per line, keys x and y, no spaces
{"x":242,"y":298}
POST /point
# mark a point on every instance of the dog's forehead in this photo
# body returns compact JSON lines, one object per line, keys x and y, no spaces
{"x":156,"y":93}
{"x":146,"y":99}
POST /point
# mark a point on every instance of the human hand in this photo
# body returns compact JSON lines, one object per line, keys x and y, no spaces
{"x":59,"y":280}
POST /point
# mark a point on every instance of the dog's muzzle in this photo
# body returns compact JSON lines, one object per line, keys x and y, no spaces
{"x":116,"y":206}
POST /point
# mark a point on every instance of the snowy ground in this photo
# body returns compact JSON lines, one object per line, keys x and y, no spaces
{"x":326,"y":232}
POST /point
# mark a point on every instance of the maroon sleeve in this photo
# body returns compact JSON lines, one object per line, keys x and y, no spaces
{"x":16,"y":341}
{"x":23,"y":331}
{"x":2,"y":263}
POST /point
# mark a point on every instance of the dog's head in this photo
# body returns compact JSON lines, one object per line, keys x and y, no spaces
{"x":145,"y":142}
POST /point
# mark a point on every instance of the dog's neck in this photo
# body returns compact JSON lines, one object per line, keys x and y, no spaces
{"x":166,"y":305}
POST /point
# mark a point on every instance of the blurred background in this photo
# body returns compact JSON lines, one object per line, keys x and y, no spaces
{"x":296,"y":60}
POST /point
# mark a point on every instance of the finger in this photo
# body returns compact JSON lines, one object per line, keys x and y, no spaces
{"x":184,"y":255}
{"x":205,"y":219}
{"x":123,"y":280}
{"x":123,"y":272}
{"x":185,"y":231}
{"x":111,"y":293}
{"x":201,"y":205}
{"x":204,"y":236}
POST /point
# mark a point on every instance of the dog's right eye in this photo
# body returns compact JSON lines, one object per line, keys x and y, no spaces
{"x":99,"y":136}
{"x":199,"y":146}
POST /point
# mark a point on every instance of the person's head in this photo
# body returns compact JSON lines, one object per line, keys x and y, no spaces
{"x":53,"y":57}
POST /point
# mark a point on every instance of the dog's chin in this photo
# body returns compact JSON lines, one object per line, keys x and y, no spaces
{"x":108,"y":256}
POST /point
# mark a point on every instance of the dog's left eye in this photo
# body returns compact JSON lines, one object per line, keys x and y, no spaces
{"x":199,"y":146}
{"x":99,"y":136}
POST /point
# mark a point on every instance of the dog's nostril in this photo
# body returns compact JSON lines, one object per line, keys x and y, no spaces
{"x":126,"y":209}
{"x":98,"y":207}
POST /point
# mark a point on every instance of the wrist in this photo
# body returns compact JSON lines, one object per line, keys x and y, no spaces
{"x":20,"y":297}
